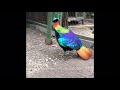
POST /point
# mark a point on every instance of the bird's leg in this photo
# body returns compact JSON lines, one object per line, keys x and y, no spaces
{"x":92,"y":47}
{"x":64,"y":55}
{"x":77,"y":55}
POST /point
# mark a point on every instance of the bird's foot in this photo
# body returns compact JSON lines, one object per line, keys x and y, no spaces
{"x":65,"y":56}
{"x":77,"y":54}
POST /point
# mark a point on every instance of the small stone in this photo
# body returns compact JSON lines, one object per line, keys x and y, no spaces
{"x":49,"y":58}
{"x":54,"y":45}
{"x":46,"y":59}
{"x":46,"y":65}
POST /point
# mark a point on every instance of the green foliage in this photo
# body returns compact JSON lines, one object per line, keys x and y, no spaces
{"x":89,"y":14}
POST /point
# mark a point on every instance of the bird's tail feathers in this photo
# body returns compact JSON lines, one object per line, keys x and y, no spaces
{"x":84,"y":53}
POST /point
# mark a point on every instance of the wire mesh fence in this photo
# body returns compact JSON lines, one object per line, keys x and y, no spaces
{"x":75,"y":18}
{"x":72,"y":18}
{"x":40,"y":17}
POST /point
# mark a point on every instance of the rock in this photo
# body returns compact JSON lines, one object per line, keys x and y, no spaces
{"x":49,"y":58}
{"x":52,"y":60}
{"x":54,"y":45}
{"x":46,"y":60}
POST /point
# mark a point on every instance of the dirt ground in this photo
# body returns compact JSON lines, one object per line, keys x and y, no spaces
{"x":47,"y":61}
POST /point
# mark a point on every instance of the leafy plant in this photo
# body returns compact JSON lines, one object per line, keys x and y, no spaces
{"x":89,"y":14}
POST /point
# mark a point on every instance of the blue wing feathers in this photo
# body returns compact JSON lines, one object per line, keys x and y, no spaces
{"x":70,"y":40}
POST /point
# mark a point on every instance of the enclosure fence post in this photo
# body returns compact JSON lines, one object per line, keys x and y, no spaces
{"x":60,"y":16}
{"x":48,"y":39}
{"x":65,"y":19}
{"x":84,"y":16}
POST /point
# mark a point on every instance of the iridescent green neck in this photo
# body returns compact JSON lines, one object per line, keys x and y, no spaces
{"x":60,"y":29}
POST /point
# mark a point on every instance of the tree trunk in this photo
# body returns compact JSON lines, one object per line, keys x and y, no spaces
{"x":65,"y":19}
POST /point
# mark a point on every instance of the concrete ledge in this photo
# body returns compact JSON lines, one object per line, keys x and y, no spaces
{"x":81,"y":26}
{"x":37,"y":23}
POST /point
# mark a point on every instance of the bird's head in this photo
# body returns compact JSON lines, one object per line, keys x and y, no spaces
{"x":56,"y":22}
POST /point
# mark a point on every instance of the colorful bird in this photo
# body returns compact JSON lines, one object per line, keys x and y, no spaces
{"x":68,"y":41}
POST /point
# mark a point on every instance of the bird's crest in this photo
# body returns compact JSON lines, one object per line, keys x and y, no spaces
{"x":55,"y":19}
